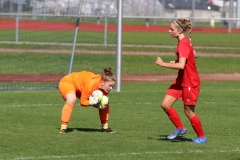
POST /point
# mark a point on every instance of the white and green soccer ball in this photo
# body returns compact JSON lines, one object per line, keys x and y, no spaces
{"x":95,"y":97}
{"x":104,"y":102}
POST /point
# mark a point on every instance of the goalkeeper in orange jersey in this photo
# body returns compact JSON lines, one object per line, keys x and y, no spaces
{"x":81,"y":85}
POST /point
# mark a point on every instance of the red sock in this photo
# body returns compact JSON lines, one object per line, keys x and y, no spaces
{"x":104,"y":115}
{"x":174,"y":117}
{"x":197,"y":125}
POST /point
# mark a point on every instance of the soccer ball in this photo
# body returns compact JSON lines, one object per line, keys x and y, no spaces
{"x":104,"y":102}
{"x":95,"y":97}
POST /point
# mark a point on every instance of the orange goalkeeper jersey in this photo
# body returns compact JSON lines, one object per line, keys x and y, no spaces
{"x":82,"y":83}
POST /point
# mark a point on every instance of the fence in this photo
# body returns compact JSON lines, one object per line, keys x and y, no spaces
{"x":225,"y":11}
{"x":47,"y":27}
{"x":214,"y":13}
{"x":37,"y":49}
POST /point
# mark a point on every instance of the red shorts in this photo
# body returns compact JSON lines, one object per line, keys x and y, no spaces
{"x":188,"y":95}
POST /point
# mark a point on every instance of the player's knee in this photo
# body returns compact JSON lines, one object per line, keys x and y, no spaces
{"x":189,"y":113}
{"x":71,"y":99}
{"x":165,"y":106}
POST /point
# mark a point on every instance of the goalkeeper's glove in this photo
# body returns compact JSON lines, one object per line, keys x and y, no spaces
{"x":95,"y":103}
{"x":104,"y":102}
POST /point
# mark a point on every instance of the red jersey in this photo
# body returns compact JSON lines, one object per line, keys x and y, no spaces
{"x":187,"y":77}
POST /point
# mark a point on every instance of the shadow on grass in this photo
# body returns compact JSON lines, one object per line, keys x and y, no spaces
{"x":83,"y":130}
{"x":178,"y":139}
{"x":87,"y":129}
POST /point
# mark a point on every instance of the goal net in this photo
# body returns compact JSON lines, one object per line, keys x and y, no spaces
{"x":43,"y":40}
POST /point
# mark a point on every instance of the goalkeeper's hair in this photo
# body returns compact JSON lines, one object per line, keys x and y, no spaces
{"x":108,"y":75}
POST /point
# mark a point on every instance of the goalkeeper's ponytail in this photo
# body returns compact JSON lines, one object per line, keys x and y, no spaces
{"x":108,"y":75}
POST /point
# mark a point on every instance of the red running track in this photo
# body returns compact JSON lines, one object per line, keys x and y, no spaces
{"x":60,"y":26}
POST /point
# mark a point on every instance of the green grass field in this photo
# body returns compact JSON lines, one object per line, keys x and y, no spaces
{"x":131,"y":64}
{"x":160,"y":22}
{"x":30,"y":120}
{"x":30,"y":123}
{"x":213,"y":42}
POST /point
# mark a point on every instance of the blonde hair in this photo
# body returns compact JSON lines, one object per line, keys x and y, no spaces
{"x":108,"y":75}
{"x":185,"y":25}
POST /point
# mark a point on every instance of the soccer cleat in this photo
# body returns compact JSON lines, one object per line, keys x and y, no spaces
{"x":63,"y":131}
{"x":199,"y":140}
{"x":177,"y":133}
{"x":108,"y":130}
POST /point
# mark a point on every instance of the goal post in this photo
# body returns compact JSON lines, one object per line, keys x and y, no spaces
{"x":75,"y":36}
{"x":40,"y":45}
{"x":119,"y":44}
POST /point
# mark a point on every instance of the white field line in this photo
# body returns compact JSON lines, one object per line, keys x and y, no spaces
{"x":25,"y":91}
{"x":125,"y":154}
{"x":32,"y":91}
{"x":43,"y":105}
{"x":115,"y":104}
{"x":132,"y":91}
{"x":29,"y":105}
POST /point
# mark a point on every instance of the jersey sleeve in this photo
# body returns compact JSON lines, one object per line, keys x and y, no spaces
{"x":89,"y":85}
{"x":86,"y":92}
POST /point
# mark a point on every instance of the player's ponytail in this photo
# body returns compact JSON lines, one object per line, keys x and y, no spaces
{"x":185,"y":25}
{"x":108,"y":75}
{"x":189,"y":27}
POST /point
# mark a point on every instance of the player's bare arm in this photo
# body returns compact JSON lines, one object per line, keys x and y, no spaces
{"x":173,"y":64}
{"x":195,"y":53}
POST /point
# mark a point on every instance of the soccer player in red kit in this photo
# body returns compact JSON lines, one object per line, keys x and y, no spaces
{"x":186,"y":87}
{"x":81,"y":85}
